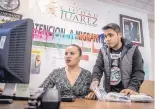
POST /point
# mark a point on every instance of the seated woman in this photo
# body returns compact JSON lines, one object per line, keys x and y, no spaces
{"x":72,"y":79}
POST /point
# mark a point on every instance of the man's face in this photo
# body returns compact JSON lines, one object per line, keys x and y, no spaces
{"x":112,"y":38}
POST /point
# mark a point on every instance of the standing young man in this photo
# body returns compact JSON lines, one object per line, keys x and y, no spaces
{"x":120,"y":61}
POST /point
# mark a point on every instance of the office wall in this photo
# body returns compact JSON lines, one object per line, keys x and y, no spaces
{"x":152,"y":44}
{"x":101,"y":14}
{"x":106,"y":14}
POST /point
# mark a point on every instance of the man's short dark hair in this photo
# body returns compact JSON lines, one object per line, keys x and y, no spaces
{"x":113,"y":26}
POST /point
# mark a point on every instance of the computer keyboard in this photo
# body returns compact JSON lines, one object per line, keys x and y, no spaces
{"x":67,"y":98}
{"x":37,"y":96}
{"x":32,"y":97}
{"x":6,"y":101}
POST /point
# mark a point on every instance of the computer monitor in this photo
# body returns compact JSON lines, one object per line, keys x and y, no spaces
{"x":15,"y":51}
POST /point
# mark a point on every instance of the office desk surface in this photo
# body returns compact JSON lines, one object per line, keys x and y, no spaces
{"x":94,"y":104}
{"x":87,"y":104}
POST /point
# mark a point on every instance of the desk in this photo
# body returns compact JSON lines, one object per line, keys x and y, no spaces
{"x":87,"y":104}
{"x":15,"y":105}
{"x":94,"y":104}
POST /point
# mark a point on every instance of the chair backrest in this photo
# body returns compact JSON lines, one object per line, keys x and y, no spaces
{"x":148,"y":88}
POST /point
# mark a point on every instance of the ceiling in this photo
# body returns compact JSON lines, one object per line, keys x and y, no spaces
{"x":141,"y":5}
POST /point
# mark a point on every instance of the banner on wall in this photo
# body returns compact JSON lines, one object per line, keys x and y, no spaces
{"x":9,"y":16}
{"x":57,"y":37}
{"x":68,"y":13}
{"x":36,"y":61}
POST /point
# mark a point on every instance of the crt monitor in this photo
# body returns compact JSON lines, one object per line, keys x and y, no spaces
{"x":15,"y":51}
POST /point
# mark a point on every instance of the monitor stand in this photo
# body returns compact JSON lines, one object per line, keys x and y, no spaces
{"x":7,"y":94}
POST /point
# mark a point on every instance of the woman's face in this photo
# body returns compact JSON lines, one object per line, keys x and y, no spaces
{"x":72,"y":56}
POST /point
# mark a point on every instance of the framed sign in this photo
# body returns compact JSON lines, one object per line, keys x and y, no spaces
{"x":9,"y":16}
{"x":132,"y":29}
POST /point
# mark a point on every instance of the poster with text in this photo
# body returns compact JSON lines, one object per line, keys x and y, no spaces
{"x":35,"y":61}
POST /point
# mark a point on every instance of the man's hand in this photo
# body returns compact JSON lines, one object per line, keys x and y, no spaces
{"x":91,"y":96}
{"x":93,"y":85}
{"x":128,"y":91}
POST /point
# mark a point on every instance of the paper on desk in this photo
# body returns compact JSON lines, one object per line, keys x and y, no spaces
{"x":9,"y":89}
{"x":33,"y":91}
{"x":22,"y":90}
{"x":141,"y":98}
{"x":111,"y":96}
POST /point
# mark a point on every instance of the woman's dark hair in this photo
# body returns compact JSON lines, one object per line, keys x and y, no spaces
{"x":79,"y":49}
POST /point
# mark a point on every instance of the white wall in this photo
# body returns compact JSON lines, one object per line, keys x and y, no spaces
{"x":152,"y":44}
{"x":107,"y":13}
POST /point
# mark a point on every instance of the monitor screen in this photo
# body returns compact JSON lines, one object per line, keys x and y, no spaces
{"x":15,"y":51}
